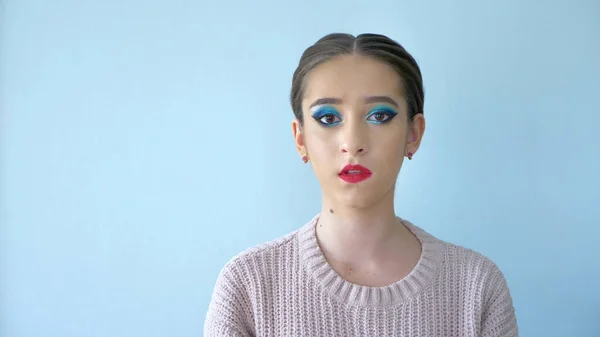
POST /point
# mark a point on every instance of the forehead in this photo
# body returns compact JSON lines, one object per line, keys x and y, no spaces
{"x":352,"y":77}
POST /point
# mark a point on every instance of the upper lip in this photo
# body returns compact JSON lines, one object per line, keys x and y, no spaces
{"x":355,"y":167}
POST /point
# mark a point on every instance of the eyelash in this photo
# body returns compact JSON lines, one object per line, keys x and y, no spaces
{"x":324,"y":113}
{"x":328,"y":112}
{"x":382,"y":110}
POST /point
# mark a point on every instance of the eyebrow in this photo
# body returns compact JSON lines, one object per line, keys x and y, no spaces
{"x":368,"y":100}
{"x":326,"y":100}
{"x":381,"y":99}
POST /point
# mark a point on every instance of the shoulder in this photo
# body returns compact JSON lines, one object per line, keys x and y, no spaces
{"x":480,"y":278}
{"x":461,"y":264}
{"x":230,"y":310}
{"x":259,"y":263}
{"x":475,"y":270}
{"x":250,"y":264}
{"x":260,"y":251}
{"x":470,"y":259}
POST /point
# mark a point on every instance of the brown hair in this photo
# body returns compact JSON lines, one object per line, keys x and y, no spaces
{"x":377,"y":46}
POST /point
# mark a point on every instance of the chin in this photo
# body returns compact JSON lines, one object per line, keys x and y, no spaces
{"x":361,"y":195}
{"x":364,"y":195}
{"x":358,"y":198}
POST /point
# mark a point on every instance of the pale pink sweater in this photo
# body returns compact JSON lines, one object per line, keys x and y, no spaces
{"x":287,"y":288}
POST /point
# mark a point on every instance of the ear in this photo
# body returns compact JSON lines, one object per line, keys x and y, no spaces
{"x":299,"y":137}
{"x":416,"y":129}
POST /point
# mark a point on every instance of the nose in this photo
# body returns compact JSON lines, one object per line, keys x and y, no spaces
{"x":353,"y":150}
{"x":353,"y":142}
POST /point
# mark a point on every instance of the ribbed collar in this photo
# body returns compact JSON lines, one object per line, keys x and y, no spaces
{"x":356,"y":295}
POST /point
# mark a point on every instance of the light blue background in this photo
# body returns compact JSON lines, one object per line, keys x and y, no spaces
{"x":144,"y":143}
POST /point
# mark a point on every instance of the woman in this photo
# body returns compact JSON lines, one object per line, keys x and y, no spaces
{"x":357,"y":269}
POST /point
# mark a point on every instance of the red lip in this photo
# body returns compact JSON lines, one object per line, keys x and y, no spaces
{"x":354,"y":173}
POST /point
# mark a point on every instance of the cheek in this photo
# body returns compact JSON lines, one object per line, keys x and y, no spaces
{"x":394,"y":145}
{"x":321,"y":145}
{"x":319,"y":139}
{"x":322,"y":149}
{"x":389,"y":148}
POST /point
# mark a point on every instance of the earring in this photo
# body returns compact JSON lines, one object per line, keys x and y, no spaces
{"x":410,"y":154}
{"x":305,"y":159}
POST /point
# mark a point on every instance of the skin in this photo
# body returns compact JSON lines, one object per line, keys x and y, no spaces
{"x":358,"y":230}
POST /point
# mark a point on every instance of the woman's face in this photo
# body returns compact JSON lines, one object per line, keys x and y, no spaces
{"x":355,"y":113}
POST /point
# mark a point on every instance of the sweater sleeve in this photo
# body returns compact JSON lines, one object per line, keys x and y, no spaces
{"x":499,"y":319}
{"x":229,"y":312}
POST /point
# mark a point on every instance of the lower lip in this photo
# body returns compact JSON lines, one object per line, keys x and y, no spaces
{"x":355,"y":178}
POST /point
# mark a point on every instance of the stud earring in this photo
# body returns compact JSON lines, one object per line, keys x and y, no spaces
{"x":410,"y":154}
{"x":305,"y":159}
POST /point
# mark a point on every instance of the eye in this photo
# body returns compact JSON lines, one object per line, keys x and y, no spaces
{"x":327,"y":116}
{"x":330,"y":119}
{"x":381,"y":115}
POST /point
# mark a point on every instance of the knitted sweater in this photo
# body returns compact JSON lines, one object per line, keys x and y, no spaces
{"x":287,"y":288}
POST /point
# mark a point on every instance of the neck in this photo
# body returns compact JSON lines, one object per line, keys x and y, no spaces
{"x":350,"y":233}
